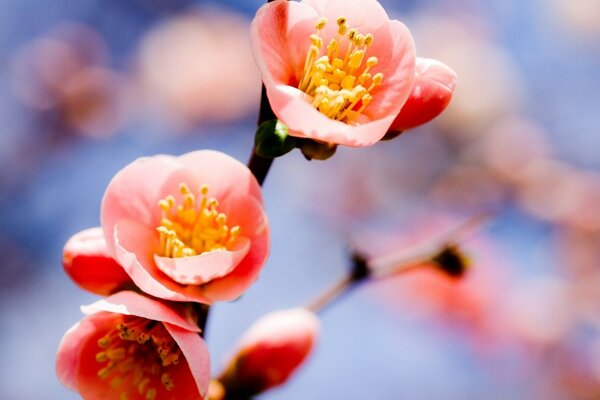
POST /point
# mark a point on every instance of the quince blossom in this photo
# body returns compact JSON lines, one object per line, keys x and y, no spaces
{"x":188,"y":228}
{"x":132,"y":347}
{"x":335,"y":71}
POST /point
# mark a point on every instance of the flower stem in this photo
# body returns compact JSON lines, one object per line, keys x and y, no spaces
{"x":257,"y":164}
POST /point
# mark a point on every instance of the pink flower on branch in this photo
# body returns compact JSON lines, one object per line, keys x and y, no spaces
{"x":132,"y":347}
{"x":188,"y":228}
{"x":270,"y":352}
{"x":335,"y":71}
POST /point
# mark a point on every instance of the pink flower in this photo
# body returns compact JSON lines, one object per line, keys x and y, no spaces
{"x":270,"y":351}
{"x":335,"y":71}
{"x":188,"y":228}
{"x":430,"y":95}
{"x":132,"y":347}
{"x":87,"y":262}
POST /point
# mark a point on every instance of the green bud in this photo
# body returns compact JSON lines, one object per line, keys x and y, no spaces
{"x":313,"y":150}
{"x":272,"y":139}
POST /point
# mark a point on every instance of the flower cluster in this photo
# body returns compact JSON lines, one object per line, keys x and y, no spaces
{"x":180,"y":233}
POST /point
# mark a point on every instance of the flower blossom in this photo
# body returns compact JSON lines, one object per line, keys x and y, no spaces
{"x":188,"y":228}
{"x":270,"y":351}
{"x":335,"y":71}
{"x":132,"y":347}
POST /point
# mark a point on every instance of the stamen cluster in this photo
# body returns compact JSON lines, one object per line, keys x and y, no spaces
{"x":340,"y":82}
{"x":141,"y":351}
{"x":188,"y":230}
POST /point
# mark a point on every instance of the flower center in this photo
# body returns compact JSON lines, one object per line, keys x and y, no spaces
{"x":189,"y":229}
{"x":138,"y":351}
{"x":340,"y":83}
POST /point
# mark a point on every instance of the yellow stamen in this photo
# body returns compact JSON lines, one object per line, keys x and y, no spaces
{"x":340,"y":85}
{"x":190,"y":228}
{"x":140,"y":351}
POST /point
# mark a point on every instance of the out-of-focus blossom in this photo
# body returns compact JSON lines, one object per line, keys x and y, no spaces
{"x":430,"y":95}
{"x":132,"y":347}
{"x":188,"y":228}
{"x":335,"y":71}
{"x":88,"y":263}
{"x":551,"y":189}
{"x":64,"y":73}
{"x":579,"y":17}
{"x":198,"y":67}
{"x":270,"y":351}
{"x":511,"y":145}
{"x":539,"y":310}
{"x":490,"y":83}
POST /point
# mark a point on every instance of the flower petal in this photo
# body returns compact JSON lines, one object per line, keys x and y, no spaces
{"x":196,"y":354}
{"x":196,"y":270}
{"x":135,"y":191}
{"x":131,"y":303}
{"x":218,"y":171}
{"x":249,"y":214}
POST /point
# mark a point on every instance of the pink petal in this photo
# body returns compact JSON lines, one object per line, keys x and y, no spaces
{"x":219,"y":171}
{"x":196,"y":353}
{"x":204,"y":267}
{"x":280,"y":35}
{"x":88,"y":263}
{"x":68,"y":354}
{"x":430,"y":95}
{"x":134,"y":245}
{"x":249,"y":214}
{"x":131,"y":303}
{"x":135,"y":191}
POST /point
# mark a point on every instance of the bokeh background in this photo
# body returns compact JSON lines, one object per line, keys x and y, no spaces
{"x":90,"y":85}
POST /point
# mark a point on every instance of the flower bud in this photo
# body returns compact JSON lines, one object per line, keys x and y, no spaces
{"x":270,"y":351}
{"x":87,"y":262}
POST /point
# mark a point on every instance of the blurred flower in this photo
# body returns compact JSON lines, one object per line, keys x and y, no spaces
{"x":180,"y":247}
{"x":339,"y":82}
{"x":579,"y":17}
{"x":270,"y":351}
{"x":430,"y":94}
{"x":132,"y":347}
{"x":199,"y":66}
{"x":88,"y":263}
{"x":479,"y":99}
{"x":539,"y":309}
{"x":64,"y":73}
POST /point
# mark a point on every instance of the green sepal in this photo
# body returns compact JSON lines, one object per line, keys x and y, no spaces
{"x":272,"y":139}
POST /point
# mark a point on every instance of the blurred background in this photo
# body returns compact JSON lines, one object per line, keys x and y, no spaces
{"x":89,"y":85}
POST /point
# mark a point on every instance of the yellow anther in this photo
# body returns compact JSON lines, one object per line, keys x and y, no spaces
{"x":372,"y":61}
{"x":101,"y":356}
{"x":316,"y":40}
{"x":184,"y":189}
{"x":369,"y":39}
{"x":141,"y":387}
{"x":352,"y":34}
{"x":151,"y":394}
{"x":167,"y":381}
{"x":124,"y":396}
{"x":321,"y":22}
{"x":116,"y":382}
{"x":356,"y":59}
{"x":341,"y":21}
{"x":204,"y":190}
